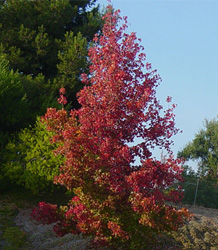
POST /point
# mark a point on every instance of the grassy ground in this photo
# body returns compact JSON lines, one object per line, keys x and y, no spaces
{"x":13,"y":237}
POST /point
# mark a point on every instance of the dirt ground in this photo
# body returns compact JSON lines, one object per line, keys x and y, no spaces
{"x":48,"y":240}
{"x":203,"y":211}
{"x":43,"y":238}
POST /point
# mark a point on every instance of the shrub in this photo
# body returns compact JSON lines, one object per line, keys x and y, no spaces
{"x":30,"y":160}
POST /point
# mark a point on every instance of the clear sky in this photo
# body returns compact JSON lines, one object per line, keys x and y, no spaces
{"x":181,"y":41}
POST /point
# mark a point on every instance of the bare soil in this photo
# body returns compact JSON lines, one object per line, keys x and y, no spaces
{"x":203,"y":211}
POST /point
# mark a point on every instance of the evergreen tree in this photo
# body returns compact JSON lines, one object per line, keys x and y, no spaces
{"x":48,"y":40}
{"x":14,"y":106}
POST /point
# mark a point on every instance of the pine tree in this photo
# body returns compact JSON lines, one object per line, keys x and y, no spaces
{"x":46,"y":41}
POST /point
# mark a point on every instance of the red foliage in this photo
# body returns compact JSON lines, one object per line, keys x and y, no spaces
{"x":115,"y":200}
{"x":62,"y":100}
{"x":45,"y":213}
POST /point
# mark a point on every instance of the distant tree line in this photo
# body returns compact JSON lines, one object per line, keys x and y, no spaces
{"x":203,"y":149}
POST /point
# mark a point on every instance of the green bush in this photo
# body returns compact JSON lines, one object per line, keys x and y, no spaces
{"x":30,"y":161}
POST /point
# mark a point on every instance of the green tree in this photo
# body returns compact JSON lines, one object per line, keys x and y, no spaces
{"x":30,"y":30}
{"x":16,"y":91}
{"x":45,"y":44}
{"x":204,"y":149}
{"x":30,"y":160}
{"x":72,"y":63}
{"x":14,"y":106}
{"x":48,"y":40}
{"x":16,"y":112}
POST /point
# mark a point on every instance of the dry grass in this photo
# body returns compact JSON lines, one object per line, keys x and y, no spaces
{"x":200,"y":233}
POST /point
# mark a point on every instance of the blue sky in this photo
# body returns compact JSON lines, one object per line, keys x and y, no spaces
{"x":181,"y":41}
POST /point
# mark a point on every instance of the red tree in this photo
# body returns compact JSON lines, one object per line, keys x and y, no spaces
{"x":115,"y":201}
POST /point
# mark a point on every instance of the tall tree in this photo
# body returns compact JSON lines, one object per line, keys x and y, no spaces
{"x":118,"y":203}
{"x":30,"y":30}
{"x":48,"y":39}
{"x":204,"y":149}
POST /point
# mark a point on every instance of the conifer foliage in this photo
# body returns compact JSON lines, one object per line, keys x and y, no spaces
{"x":116,"y":202}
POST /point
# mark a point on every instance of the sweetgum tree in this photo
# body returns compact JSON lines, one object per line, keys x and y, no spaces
{"x":116,"y":202}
